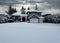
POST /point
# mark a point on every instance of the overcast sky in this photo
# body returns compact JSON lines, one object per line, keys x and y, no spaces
{"x":53,"y":3}
{"x":43,"y":4}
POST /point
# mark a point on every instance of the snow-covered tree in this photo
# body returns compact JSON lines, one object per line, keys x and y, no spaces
{"x":23,"y":10}
{"x":55,"y":18}
{"x":36,"y":7}
{"x":11,"y":10}
{"x":3,"y":19}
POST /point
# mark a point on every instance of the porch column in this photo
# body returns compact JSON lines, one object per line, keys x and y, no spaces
{"x":21,"y":18}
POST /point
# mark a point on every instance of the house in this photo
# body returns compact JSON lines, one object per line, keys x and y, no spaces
{"x":32,"y":16}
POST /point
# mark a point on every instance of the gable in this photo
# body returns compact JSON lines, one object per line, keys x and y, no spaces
{"x":33,"y":16}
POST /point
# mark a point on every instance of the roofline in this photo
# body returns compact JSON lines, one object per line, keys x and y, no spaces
{"x":33,"y":15}
{"x":33,"y":11}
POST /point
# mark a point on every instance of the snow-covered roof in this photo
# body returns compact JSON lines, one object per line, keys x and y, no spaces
{"x":44,"y":13}
{"x":41,"y":17}
{"x":33,"y":11}
{"x":19,"y":14}
{"x":3,"y":13}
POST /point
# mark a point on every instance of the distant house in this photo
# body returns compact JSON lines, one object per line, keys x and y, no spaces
{"x":32,"y":16}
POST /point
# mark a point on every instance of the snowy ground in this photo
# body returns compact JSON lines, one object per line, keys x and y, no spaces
{"x":29,"y":33}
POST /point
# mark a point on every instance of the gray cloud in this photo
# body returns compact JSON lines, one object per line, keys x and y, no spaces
{"x":8,"y":2}
{"x":54,"y":3}
{"x":43,"y":4}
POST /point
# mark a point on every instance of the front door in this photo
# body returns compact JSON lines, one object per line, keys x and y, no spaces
{"x":23,"y":19}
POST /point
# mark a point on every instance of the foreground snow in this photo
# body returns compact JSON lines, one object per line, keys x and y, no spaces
{"x":29,"y":33}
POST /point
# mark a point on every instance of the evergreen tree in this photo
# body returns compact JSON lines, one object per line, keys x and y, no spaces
{"x":11,"y":10}
{"x":36,"y":8}
{"x":23,"y":10}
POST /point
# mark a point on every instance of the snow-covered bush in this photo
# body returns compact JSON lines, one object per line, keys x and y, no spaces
{"x":3,"y":19}
{"x":47,"y":18}
{"x":55,"y":18}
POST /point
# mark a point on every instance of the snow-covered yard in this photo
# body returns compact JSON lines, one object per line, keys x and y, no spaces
{"x":29,"y":33}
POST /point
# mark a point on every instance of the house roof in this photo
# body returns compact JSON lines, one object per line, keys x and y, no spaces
{"x":41,"y":17}
{"x":36,"y":16}
{"x":33,"y":11}
{"x":19,"y":14}
{"x":4,"y":13}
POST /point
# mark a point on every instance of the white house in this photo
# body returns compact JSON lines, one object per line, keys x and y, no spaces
{"x":32,"y":16}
